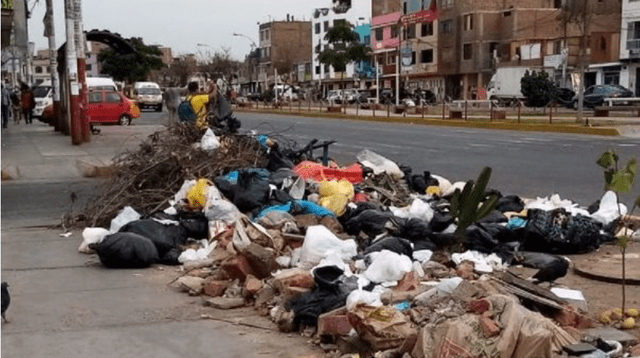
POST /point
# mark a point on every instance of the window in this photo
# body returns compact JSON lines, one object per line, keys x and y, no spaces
{"x":266,"y":35}
{"x":339,"y":21}
{"x":557,"y":4}
{"x":317,"y":70}
{"x":633,"y":36}
{"x":318,"y":48}
{"x":427,"y":29}
{"x":95,"y":97}
{"x":394,"y":32}
{"x":326,"y":26}
{"x":88,"y":68}
{"x":446,"y":4}
{"x":411,"y":31}
{"x":413,"y":57}
{"x":261,"y":35}
{"x":112,"y":97}
{"x":367,"y":39}
{"x":379,"y":34}
{"x":468,"y":22}
{"x":326,"y":68}
{"x":317,"y":28}
{"x":506,"y":14}
{"x":404,"y":7}
{"x":467,"y":52}
{"x":447,"y":26}
{"x":426,"y":56}
{"x":38,"y":69}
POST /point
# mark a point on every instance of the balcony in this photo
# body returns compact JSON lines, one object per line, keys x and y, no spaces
{"x":633,"y":45}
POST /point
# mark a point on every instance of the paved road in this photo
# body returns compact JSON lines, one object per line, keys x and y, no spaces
{"x":529,"y":164}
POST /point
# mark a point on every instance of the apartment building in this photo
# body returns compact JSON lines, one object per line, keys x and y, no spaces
{"x":630,"y":46}
{"x":385,"y":40}
{"x":283,"y":46}
{"x":357,"y":14}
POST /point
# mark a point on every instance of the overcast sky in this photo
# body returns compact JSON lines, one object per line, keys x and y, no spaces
{"x":181,"y":24}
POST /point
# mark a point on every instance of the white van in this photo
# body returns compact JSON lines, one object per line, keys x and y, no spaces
{"x":148,"y":94}
{"x":43,"y":94}
{"x":101,"y":83}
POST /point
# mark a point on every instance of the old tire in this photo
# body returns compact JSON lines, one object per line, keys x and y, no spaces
{"x":124,"y":120}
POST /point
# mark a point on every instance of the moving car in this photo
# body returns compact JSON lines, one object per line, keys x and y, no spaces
{"x":594,"y":96}
{"x":109,"y":106}
{"x":148,"y":95}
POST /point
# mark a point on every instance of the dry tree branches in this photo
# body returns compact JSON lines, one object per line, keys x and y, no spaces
{"x":148,"y":178}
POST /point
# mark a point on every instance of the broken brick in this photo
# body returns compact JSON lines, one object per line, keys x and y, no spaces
{"x":408,"y":282}
{"x":479,"y":306}
{"x":331,"y":223}
{"x":569,"y":317}
{"x":334,"y":323}
{"x":294,"y":277}
{"x":304,"y":221}
{"x":215,"y":288}
{"x":489,"y":327}
{"x":465,"y":270}
{"x":261,"y":259}
{"x":264,"y":295}
{"x":238,"y":267}
{"x":251,"y":286}
{"x":225,"y":303}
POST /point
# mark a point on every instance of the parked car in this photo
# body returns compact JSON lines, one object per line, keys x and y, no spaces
{"x":566,"y":97}
{"x":334,"y":96}
{"x":387,"y":96}
{"x":594,"y":96}
{"x":148,"y":94}
{"x":350,"y":95}
{"x":43,"y":95}
{"x":108,"y":106}
{"x":363,"y":96}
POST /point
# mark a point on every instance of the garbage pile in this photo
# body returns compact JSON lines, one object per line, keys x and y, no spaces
{"x":371,"y":256}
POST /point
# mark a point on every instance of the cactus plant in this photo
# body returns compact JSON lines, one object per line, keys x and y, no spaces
{"x":470,"y":205}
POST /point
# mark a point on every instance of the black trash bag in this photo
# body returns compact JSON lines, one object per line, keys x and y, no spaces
{"x":249,"y":194}
{"x":479,"y":239}
{"x":501,"y":233}
{"x":164,"y":237}
{"x":493,"y":218}
{"x":195,"y":223}
{"x":372,"y":222}
{"x":330,"y":292}
{"x":171,"y":257}
{"x":278,"y":176}
{"x":439,"y":239}
{"x":414,"y":229}
{"x":440,"y":221}
{"x":556,"y":231}
{"x":395,"y":244}
{"x":418,"y":182}
{"x":352,"y":211}
{"x":126,"y":250}
{"x":510,"y":203}
{"x":279,"y":197}
{"x":594,"y":207}
{"x":278,"y":159}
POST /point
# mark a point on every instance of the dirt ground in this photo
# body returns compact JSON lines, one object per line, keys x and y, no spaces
{"x":600,"y":296}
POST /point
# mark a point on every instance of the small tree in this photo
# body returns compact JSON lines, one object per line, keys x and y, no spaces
{"x":619,"y":181}
{"x":131,"y":67}
{"x":537,"y":88}
{"x":344,"y":48}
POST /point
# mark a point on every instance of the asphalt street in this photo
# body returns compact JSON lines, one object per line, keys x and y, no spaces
{"x":529,"y":164}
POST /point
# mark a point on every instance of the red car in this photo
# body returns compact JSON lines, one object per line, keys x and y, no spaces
{"x":106,"y":106}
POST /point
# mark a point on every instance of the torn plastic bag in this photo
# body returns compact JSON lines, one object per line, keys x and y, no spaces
{"x":510,"y":203}
{"x":395,"y":244}
{"x":197,"y":194}
{"x":124,"y":216}
{"x":556,"y":231}
{"x":91,"y":235}
{"x":330,"y":292}
{"x":483,"y":263}
{"x":297,"y":207}
{"x":418,"y":209}
{"x":316,"y":171}
{"x":379,"y":164}
{"x":222,"y":210}
{"x":319,"y":242}
{"x":362,"y":297}
{"x":387,"y":266}
{"x":126,"y":250}
{"x":372,"y":222}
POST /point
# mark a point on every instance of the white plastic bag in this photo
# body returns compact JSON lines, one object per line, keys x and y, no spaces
{"x":319,"y":243}
{"x":200,"y":254}
{"x":297,"y":189}
{"x":91,"y":235}
{"x":608,"y":211}
{"x":365,"y":297}
{"x":124,"y":217}
{"x":379,"y":164}
{"x":422,"y":255}
{"x":418,"y":209}
{"x":209,"y":141}
{"x":222,"y":210}
{"x":482,"y":263}
{"x":387,"y":266}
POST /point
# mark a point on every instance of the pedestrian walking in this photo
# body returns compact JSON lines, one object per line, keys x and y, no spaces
{"x":28,"y":102}
{"x":6,"y":102}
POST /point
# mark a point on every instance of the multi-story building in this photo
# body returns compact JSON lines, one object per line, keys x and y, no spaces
{"x":41,"y":67}
{"x":93,"y":52}
{"x":283,"y":46}
{"x":630,"y":46}
{"x":357,"y":15}
{"x":385,"y":40}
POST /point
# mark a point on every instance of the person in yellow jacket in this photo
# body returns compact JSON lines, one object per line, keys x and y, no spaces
{"x":200,"y":102}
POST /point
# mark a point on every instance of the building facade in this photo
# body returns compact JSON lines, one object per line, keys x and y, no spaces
{"x":630,"y":46}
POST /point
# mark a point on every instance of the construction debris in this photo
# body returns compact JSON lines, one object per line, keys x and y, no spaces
{"x":413,"y":265}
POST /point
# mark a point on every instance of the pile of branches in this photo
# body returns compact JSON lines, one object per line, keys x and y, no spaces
{"x":148,"y":178}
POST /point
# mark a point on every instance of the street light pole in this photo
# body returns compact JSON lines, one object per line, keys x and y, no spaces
{"x":251,"y":54}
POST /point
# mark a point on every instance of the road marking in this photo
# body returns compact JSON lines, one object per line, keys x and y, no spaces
{"x":479,"y":145}
{"x":626,"y":145}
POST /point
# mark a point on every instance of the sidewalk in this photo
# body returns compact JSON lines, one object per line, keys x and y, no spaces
{"x":37,"y":152}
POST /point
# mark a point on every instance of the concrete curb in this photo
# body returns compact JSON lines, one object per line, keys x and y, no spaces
{"x":527,"y":127}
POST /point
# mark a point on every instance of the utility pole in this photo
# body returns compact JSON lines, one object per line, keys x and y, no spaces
{"x":82,"y":70}
{"x":49,"y":32}
{"x":75,"y":112}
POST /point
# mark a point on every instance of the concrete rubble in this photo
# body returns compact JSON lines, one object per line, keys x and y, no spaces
{"x":366,"y":260}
